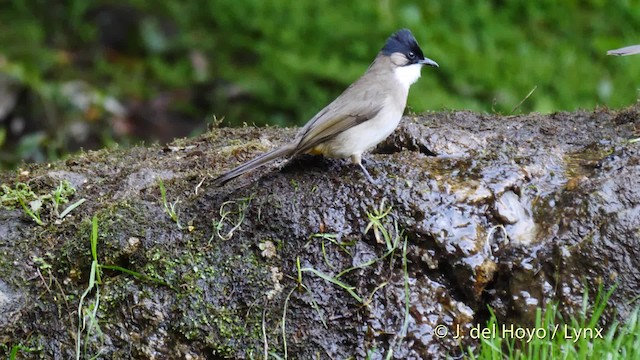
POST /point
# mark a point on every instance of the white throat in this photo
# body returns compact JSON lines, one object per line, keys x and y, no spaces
{"x":407,"y":75}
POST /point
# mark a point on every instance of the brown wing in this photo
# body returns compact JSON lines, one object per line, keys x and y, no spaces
{"x":336,"y":118}
{"x":318,"y":135}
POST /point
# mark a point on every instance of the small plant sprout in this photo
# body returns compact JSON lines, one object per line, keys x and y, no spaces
{"x":87,"y":315}
{"x":88,"y":323}
{"x":23,"y":195}
{"x":33,"y":204}
{"x":376,"y":218}
{"x":61,"y":195}
{"x":232,"y":215}
{"x":33,"y":210}
{"x":170,"y":208}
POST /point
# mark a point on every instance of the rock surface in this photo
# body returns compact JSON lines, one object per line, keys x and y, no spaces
{"x":470,"y":210}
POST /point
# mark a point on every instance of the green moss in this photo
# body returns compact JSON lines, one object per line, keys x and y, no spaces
{"x":206,"y":280}
{"x":35,"y":205}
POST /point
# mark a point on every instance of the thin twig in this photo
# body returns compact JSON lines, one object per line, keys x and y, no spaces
{"x":523,"y":100}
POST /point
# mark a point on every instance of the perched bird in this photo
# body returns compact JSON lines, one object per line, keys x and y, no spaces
{"x":629,"y":50}
{"x":362,"y":116}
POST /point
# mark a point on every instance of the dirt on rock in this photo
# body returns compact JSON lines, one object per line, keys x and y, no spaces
{"x":305,"y":258}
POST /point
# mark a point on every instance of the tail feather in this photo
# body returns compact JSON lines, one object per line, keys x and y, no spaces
{"x":253,"y":164}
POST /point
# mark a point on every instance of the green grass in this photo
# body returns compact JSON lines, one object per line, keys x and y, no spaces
{"x":88,"y":326}
{"x":169,"y":208}
{"x":17,"y":349}
{"x":232,"y":214}
{"x":87,"y":317}
{"x":581,"y":337}
{"x":377,"y":221}
{"x":33,"y":204}
{"x":376,"y":218}
{"x":386,"y":232}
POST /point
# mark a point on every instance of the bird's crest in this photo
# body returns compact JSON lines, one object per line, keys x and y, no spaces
{"x":402,"y":41}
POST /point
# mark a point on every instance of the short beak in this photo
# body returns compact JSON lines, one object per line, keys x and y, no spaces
{"x":427,"y":61}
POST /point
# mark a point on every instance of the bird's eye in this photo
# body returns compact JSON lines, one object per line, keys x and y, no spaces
{"x":411,"y":55}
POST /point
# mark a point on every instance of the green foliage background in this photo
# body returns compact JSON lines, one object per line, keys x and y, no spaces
{"x":280,"y":61}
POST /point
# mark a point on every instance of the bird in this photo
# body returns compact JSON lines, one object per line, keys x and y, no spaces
{"x":628,"y":50}
{"x":365,"y":114}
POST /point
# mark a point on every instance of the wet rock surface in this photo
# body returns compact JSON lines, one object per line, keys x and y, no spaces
{"x":469,"y":210}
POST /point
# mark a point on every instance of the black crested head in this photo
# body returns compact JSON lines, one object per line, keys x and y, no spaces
{"x":402,"y":41}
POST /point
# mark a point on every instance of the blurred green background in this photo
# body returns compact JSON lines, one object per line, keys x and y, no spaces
{"x":87,"y":74}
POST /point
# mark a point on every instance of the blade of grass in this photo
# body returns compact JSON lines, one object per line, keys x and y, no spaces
{"x":334,"y":281}
{"x":92,"y":284}
{"x":284,"y":322}
{"x":94,"y":244}
{"x":71,"y":207}
{"x":136,"y":275}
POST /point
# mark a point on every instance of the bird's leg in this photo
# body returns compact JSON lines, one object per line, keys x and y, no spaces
{"x":357,"y":159}
{"x":366,"y":173}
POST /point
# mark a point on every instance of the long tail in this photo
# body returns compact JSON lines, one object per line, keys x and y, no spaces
{"x":255,"y":163}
